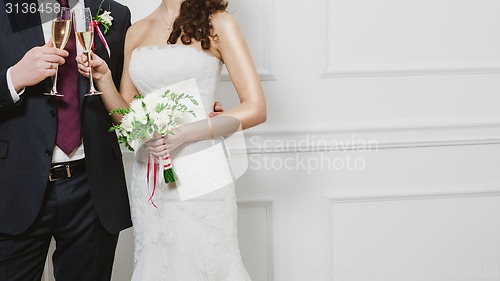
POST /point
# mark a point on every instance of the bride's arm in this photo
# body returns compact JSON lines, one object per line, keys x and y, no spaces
{"x":233,"y":50}
{"x":103,"y":79}
{"x":251,"y":111}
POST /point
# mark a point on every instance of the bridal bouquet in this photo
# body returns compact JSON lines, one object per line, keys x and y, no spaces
{"x":158,"y":112}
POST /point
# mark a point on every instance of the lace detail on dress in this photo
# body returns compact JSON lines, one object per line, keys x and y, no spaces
{"x":187,"y":240}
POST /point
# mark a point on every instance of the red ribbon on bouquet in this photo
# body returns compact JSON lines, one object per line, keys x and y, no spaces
{"x":155,"y":169}
{"x":168,"y":173}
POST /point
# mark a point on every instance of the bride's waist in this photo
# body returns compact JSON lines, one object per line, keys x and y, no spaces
{"x":187,"y":149}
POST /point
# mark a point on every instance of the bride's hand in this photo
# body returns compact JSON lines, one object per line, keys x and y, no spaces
{"x":99,"y":66}
{"x":161,"y":145}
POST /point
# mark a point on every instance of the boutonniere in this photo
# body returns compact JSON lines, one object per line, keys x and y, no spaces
{"x":105,"y":19}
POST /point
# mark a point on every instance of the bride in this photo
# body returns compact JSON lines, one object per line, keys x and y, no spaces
{"x":195,"y":239}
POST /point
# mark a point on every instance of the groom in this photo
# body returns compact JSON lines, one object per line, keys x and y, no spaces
{"x":61,"y":171}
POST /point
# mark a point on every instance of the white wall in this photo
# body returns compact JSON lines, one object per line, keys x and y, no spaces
{"x":419,"y":80}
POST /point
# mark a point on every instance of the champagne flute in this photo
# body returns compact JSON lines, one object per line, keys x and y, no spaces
{"x":61,"y":28}
{"x":84,"y":30}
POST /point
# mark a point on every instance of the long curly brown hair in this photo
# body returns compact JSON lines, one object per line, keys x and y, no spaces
{"x":193,"y":21}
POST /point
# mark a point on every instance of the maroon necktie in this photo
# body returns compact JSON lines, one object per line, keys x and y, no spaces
{"x":68,"y":109}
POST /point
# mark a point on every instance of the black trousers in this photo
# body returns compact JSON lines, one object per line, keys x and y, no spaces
{"x":84,"y":249}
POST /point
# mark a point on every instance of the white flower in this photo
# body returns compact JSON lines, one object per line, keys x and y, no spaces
{"x":136,"y":105}
{"x":164,"y":118}
{"x":138,"y":112}
{"x":127,"y":123}
{"x":150,"y":104}
{"x":107,"y":18}
{"x":155,"y":118}
{"x":152,"y":113}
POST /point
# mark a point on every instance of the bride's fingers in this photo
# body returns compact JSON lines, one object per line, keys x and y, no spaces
{"x":79,"y":60}
{"x":157,"y":149}
{"x":95,"y":57}
{"x":82,"y":65}
{"x":96,"y":63}
{"x":84,"y":72}
{"x":156,"y":145}
{"x":94,"y":60}
{"x":82,"y":59}
{"x":159,"y":154}
{"x":82,"y":68}
{"x":155,"y":142}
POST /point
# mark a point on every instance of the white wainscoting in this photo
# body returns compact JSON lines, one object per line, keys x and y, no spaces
{"x":432,"y":171}
{"x":335,"y":223}
{"x":429,"y":220}
{"x":387,"y":134}
{"x":258,"y":24}
{"x":416,"y":235}
{"x":413,"y":193}
{"x":257,"y":235}
{"x":384,"y":38}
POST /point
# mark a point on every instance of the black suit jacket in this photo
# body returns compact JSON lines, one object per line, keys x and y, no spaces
{"x":28,"y":129}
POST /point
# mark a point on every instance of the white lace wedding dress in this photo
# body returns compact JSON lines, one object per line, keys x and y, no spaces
{"x":189,"y":240}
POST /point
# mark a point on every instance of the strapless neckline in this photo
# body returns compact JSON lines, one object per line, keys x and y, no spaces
{"x":160,"y":46}
{"x":153,"y":67}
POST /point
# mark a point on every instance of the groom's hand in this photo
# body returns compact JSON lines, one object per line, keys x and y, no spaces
{"x":217,"y":110}
{"x":36,"y":65}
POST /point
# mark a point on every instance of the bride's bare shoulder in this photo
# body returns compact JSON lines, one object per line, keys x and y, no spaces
{"x":138,"y":31}
{"x":223,"y":20}
{"x":141,"y":26}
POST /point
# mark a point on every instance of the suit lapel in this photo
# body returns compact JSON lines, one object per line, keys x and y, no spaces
{"x":93,"y":5}
{"x":30,"y":27}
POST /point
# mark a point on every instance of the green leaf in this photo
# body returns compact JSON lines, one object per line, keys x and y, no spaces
{"x":121,"y":111}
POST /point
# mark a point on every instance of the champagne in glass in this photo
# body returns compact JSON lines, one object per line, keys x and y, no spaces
{"x":61,"y":28}
{"x":85,"y":38}
{"x":60,"y":32}
{"x":84,"y":30}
